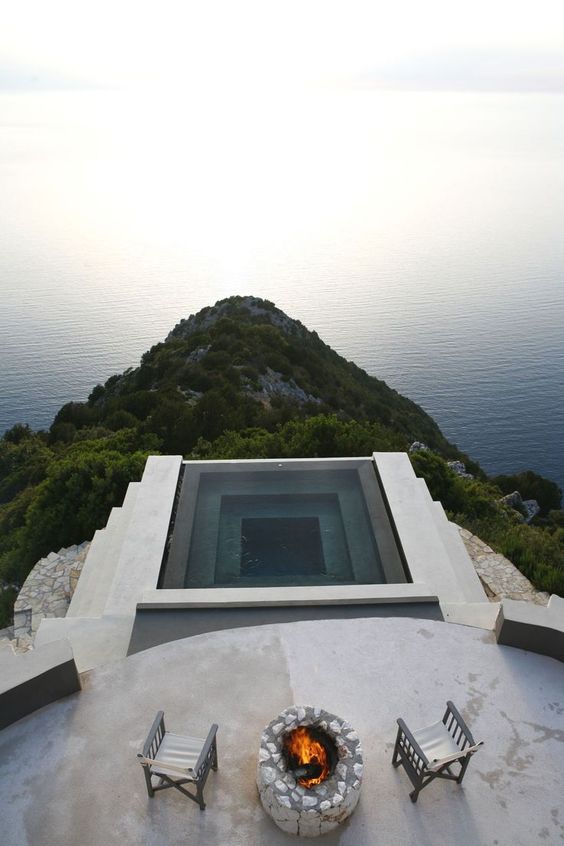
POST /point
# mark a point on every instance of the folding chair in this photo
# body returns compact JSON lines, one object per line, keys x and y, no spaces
{"x":176,"y":760}
{"x":430,"y":752}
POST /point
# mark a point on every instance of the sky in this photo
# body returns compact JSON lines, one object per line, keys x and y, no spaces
{"x":239,"y":45}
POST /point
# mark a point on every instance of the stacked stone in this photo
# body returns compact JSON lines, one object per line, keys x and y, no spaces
{"x":47,"y":592}
{"x":500,"y":577}
{"x":309,"y":812}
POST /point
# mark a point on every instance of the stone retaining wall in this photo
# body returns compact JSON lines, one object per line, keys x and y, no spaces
{"x":501,"y":578}
{"x":47,"y":592}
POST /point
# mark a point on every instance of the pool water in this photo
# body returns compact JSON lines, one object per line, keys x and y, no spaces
{"x":266,"y":524}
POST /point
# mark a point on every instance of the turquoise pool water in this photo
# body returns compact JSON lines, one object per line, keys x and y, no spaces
{"x":255,"y":524}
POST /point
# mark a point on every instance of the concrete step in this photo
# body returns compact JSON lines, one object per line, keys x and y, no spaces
{"x":83,"y":601}
{"x":98,"y":572}
{"x":414,"y":517}
{"x":95,"y":640}
{"x":139,"y":565}
{"x":460,"y":560}
{"x":424,"y":491}
{"x":480,"y":615}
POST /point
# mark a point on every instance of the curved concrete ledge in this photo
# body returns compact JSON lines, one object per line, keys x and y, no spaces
{"x":536,"y":628}
{"x":35,"y":679}
{"x":69,"y":773}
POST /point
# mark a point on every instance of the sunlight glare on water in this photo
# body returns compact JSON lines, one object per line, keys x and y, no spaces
{"x":417,"y":233}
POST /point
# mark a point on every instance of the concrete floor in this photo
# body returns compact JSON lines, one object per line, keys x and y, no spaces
{"x":69,"y":773}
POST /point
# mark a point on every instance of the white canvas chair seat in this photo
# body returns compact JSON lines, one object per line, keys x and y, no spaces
{"x":429,"y":752}
{"x":178,"y":759}
{"x":439,"y":746}
{"x":436,"y":742}
{"x":180,"y":753}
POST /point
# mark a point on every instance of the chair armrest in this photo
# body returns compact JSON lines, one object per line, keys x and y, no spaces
{"x":439,"y":763}
{"x":204,"y":757}
{"x":153,"y":762}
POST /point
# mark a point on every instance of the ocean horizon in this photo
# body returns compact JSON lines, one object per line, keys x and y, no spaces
{"x":419,"y":234}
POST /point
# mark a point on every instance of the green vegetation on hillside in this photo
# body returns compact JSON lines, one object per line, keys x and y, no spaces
{"x":52,"y":496}
{"x":537,"y":550}
{"x":240,"y":380}
{"x":237,"y":372}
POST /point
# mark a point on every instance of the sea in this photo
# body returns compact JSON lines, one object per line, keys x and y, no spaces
{"x":421,"y":234}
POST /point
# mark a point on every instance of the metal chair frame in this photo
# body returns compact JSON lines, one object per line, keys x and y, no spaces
{"x":207,"y":760}
{"x":420,"y":770}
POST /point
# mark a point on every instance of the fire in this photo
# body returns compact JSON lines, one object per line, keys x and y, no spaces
{"x":305,"y":751}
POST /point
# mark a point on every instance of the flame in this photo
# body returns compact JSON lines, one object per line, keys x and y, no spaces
{"x":302,"y":748}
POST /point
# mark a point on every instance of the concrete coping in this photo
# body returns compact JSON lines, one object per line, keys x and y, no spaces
{"x":34,"y":663}
{"x":550,"y":616}
{"x":536,"y":628}
{"x":35,"y":679}
{"x":300,"y":595}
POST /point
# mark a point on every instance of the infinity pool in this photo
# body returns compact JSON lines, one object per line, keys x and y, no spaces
{"x":292,"y":523}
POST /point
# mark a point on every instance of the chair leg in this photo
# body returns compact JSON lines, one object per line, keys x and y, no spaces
{"x":149,"y":783}
{"x":414,"y":795}
{"x":396,"y":757}
{"x":463,"y":767}
{"x":200,"y":798}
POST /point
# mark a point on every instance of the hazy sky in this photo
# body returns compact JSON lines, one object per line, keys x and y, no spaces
{"x":211,"y":44}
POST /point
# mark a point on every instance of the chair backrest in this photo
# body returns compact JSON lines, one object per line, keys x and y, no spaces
{"x":154,"y":738}
{"x":206,"y":756}
{"x":456,"y":727}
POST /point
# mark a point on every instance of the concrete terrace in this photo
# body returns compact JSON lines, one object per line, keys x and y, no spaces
{"x":69,"y":773}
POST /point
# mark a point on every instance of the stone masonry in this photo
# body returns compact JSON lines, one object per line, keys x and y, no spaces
{"x":500,"y":578}
{"x":47,"y":592}
{"x":309,"y":812}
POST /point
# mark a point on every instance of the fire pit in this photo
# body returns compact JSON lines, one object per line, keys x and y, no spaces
{"x":309,"y":771}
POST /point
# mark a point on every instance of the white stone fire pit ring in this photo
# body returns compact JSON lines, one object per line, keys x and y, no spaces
{"x":309,"y":812}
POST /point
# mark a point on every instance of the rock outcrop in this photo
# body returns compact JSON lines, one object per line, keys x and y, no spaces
{"x":527,"y":508}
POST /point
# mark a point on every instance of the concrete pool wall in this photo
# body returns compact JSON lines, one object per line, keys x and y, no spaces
{"x":117,"y":591}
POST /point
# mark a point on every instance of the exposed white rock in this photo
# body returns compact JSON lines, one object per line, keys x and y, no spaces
{"x":459,"y":468}
{"x":268,"y":774}
{"x":417,"y":446}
